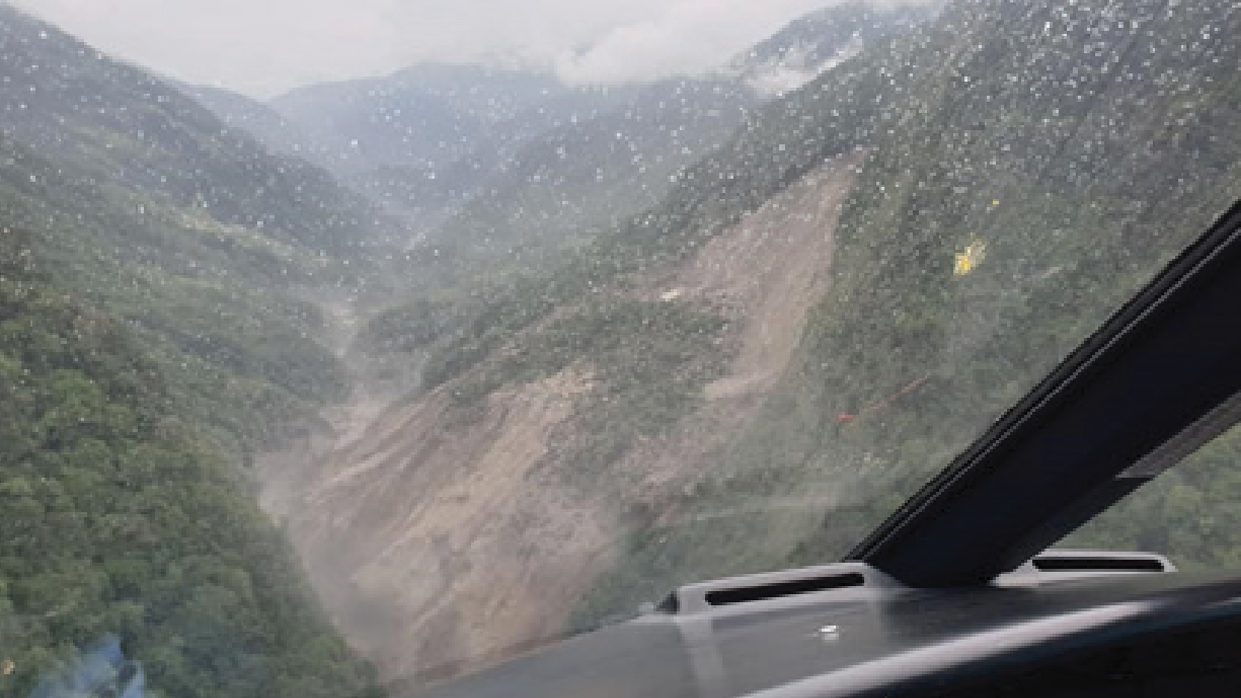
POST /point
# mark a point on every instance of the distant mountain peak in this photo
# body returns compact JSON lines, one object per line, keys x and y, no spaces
{"x":796,"y":67}
{"x":817,"y":42}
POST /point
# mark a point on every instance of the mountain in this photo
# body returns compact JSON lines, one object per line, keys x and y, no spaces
{"x":159,"y":324}
{"x":121,"y":520}
{"x":812,"y":321}
{"x":145,"y":203}
{"x":1073,"y":175}
{"x":119,"y":123}
{"x":421,"y":139}
{"x":255,"y":117}
{"x":489,"y":162}
{"x":657,"y":334}
{"x":360,"y":125}
{"x":432,"y":115}
{"x":816,"y":42}
{"x":569,"y":183}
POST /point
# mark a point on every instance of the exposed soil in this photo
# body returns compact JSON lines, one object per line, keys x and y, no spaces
{"x":767,"y":271}
{"x":434,"y":539}
{"x":425,"y":536}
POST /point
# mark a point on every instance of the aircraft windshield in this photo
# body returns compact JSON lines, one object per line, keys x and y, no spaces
{"x":345,"y":346}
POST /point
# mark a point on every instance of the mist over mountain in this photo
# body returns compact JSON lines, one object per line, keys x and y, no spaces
{"x":256,"y":118}
{"x":380,"y":380}
{"x":573,"y":181}
{"x":431,"y":115}
{"x":120,"y":124}
{"x":489,"y":163}
{"x":819,"y":41}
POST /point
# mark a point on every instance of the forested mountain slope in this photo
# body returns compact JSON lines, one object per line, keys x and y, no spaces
{"x":1053,"y":148}
{"x":258,"y":119}
{"x":68,"y":102}
{"x":1005,"y":178}
{"x":147,"y":205}
{"x":156,"y":268}
{"x":119,"y":518}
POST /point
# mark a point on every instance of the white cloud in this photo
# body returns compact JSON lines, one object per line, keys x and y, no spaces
{"x":683,"y":37}
{"x":263,"y":47}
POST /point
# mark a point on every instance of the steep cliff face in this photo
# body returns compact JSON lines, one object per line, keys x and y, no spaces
{"x":450,"y":530}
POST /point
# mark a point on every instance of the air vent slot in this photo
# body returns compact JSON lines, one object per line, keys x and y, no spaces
{"x":775,"y":590}
{"x":1098,"y":564}
{"x":841,"y":581}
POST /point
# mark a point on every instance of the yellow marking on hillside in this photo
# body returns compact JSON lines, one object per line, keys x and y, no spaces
{"x":968,"y":259}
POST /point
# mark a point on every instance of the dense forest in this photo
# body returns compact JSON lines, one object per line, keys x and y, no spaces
{"x":120,"y":518}
{"x":153,"y":335}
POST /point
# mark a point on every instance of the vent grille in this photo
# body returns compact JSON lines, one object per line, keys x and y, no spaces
{"x":1098,"y":564}
{"x":775,"y":590}
{"x":844,"y":581}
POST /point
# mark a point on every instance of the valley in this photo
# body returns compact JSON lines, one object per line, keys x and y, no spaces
{"x":422,"y":520}
{"x":381,"y":381}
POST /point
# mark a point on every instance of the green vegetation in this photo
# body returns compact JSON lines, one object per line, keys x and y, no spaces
{"x":119,"y":518}
{"x":1189,"y":513}
{"x":156,"y":329}
{"x":983,"y":137}
{"x":236,"y":345}
{"x":647,"y":369}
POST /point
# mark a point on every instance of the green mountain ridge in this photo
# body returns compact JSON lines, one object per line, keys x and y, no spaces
{"x":149,"y":207}
{"x":119,"y":518}
{"x":121,"y":125}
{"x":158,"y":272}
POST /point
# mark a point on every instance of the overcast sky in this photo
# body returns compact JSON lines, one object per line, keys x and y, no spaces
{"x":263,"y":47}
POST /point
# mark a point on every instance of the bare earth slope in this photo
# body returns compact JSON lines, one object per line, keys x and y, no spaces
{"x":439,"y":538}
